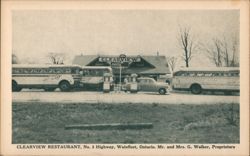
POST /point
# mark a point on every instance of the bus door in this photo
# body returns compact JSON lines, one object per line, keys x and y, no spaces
{"x":177,"y":80}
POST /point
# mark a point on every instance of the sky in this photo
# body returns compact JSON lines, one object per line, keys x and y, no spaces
{"x":132,"y":32}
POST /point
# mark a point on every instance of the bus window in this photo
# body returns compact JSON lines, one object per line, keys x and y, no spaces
{"x":26,"y":71}
{"x":216,"y":74}
{"x":235,"y":74}
{"x":96,"y":72}
{"x":200,"y":74}
{"x":37,"y":71}
{"x":43,"y":71}
{"x":73,"y":71}
{"x":50,"y":71}
{"x":192,"y":74}
{"x":176,"y":74}
{"x":208,"y":74}
{"x":85,"y":72}
{"x":16,"y":71}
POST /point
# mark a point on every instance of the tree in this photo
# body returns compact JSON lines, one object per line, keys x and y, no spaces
{"x":172,"y":62}
{"x":187,"y":44}
{"x":221,"y":53}
{"x":215,"y":52}
{"x":235,"y":53}
{"x":56,"y":58}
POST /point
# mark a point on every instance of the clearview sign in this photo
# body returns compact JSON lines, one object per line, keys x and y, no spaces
{"x":121,"y":59}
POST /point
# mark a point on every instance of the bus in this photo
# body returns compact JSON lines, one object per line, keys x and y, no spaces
{"x":47,"y":77}
{"x":226,"y":79}
{"x":92,"y":77}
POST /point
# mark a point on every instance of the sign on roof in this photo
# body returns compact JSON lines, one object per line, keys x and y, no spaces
{"x":121,"y":59}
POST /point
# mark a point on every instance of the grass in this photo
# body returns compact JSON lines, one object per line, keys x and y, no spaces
{"x":44,"y":123}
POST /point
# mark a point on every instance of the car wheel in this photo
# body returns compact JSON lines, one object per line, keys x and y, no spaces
{"x":64,"y":86}
{"x":196,"y":89}
{"x":162,"y":91}
{"x":15,"y":87}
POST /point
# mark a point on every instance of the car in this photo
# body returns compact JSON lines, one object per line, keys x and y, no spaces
{"x":148,"y":84}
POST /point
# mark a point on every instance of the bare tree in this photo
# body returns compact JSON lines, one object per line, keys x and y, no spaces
{"x":187,"y":44}
{"x":56,"y":58}
{"x":221,"y":53}
{"x":216,"y":52}
{"x":172,"y":62}
{"x":235,"y":52}
{"x":226,"y":52}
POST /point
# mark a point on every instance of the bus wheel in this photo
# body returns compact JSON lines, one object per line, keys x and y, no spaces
{"x":15,"y":87}
{"x":162,"y":91}
{"x":196,"y":89}
{"x":64,"y":86}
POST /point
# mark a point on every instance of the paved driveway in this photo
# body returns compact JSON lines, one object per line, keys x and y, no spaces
{"x":116,"y":97}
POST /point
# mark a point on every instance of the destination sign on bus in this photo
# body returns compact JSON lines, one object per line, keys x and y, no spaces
{"x":121,"y":59}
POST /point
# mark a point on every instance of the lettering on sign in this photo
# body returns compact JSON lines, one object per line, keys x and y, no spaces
{"x":121,"y":59}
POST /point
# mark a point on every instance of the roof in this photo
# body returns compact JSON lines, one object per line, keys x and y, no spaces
{"x":159,"y":63}
{"x":84,"y":60}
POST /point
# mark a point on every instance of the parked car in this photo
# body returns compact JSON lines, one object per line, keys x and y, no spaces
{"x":147,"y":84}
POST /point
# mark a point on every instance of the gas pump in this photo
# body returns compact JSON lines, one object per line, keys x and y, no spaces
{"x":133,"y":84}
{"x":107,"y":82}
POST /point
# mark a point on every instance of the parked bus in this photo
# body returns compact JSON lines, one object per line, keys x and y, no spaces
{"x":196,"y":80}
{"x":47,"y":77}
{"x":92,"y":77}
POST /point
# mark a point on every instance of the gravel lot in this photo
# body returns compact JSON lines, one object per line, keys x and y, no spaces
{"x":122,"y":97}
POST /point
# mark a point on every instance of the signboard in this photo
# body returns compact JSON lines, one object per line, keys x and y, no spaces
{"x":121,"y":59}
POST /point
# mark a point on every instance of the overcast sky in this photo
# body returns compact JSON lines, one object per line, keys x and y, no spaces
{"x":131,"y":32}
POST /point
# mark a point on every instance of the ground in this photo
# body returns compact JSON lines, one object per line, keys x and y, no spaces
{"x":44,"y":122}
{"x":116,"y":97}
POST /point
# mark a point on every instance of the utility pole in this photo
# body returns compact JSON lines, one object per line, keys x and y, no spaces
{"x":120,"y":86}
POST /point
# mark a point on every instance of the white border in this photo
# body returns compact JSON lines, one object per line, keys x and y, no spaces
{"x":6,"y":34}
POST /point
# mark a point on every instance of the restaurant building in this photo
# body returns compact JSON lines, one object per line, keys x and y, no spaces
{"x":144,"y":66}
